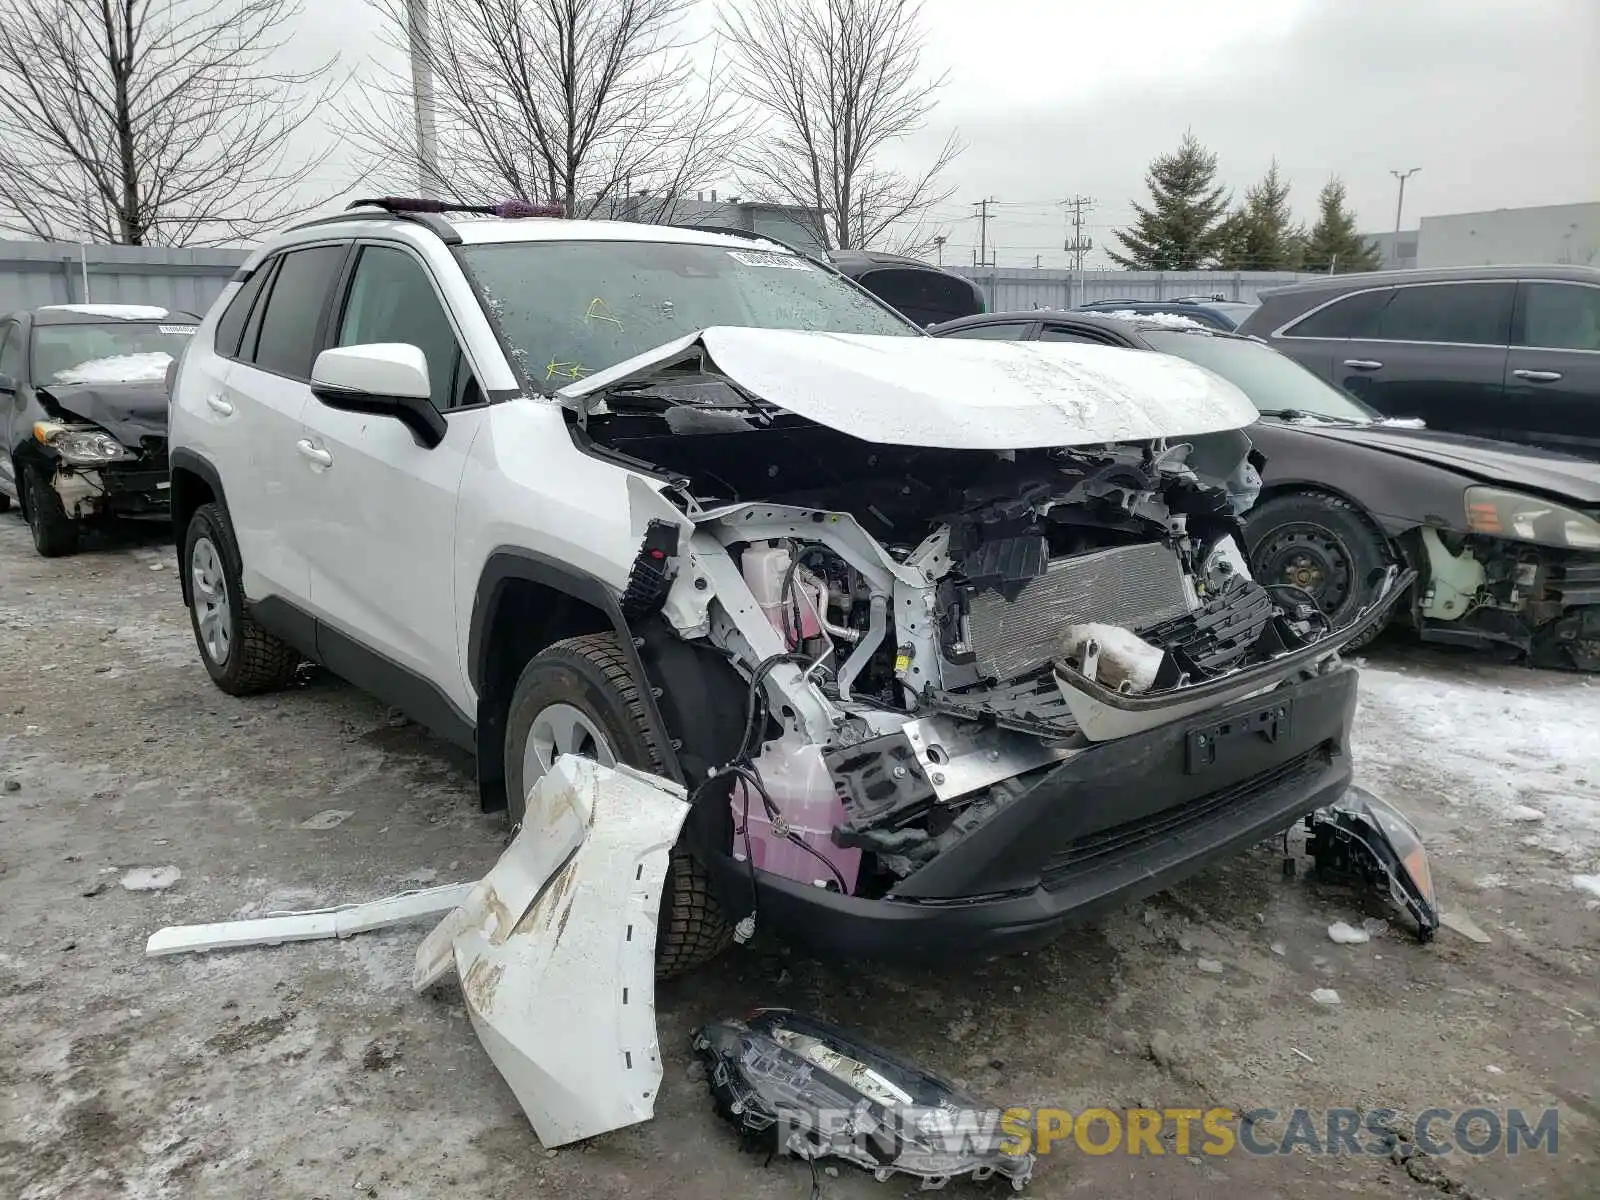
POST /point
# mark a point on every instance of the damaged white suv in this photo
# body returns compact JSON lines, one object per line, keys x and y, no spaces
{"x":950,"y":641}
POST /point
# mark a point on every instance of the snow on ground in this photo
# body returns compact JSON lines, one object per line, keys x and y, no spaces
{"x":1525,"y":753}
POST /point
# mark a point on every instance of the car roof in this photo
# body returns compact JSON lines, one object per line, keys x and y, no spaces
{"x":99,"y":314}
{"x":476,"y":230}
{"x":1370,"y":279}
{"x":1078,"y":316}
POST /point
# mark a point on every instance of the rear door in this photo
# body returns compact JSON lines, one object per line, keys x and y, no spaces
{"x":260,"y":402}
{"x":1552,"y":376}
{"x":1317,"y":340}
{"x":1439,"y":353}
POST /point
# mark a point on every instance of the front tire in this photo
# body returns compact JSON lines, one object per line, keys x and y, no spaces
{"x":55,"y":534}
{"x":241,"y":657}
{"x":1322,"y":545}
{"x":579,"y":696}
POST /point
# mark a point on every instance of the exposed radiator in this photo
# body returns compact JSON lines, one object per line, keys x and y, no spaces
{"x":1131,"y":586}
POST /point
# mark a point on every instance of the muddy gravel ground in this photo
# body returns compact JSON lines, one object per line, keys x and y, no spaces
{"x":313,"y":1071}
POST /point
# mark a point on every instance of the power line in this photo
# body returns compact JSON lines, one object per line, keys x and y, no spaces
{"x":983,"y":230}
{"x":1078,"y":245}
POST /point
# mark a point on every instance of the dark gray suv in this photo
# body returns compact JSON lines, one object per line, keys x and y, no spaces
{"x":1501,"y":352}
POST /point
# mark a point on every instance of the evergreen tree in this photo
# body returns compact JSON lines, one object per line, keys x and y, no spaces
{"x":1180,"y":231}
{"x":1333,"y":246}
{"x":1257,"y":236}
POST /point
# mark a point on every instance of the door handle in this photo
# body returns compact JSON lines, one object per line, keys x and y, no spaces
{"x":1363,"y":364}
{"x":310,"y":450}
{"x":220,"y":405}
{"x":1538,"y":376}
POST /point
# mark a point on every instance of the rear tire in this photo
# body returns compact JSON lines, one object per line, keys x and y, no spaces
{"x":580,"y":688}
{"x":241,"y":657}
{"x":55,"y":534}
{"x":1324,"y":545}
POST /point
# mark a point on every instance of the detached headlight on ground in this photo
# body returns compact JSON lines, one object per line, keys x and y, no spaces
{"x":1499,"y":513}
{"x":80,"y":445}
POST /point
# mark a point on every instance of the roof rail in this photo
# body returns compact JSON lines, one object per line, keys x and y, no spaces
{"x":434,"y":223}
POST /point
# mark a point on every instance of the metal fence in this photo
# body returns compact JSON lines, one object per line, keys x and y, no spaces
{"x":1020,"y":288}
{"x":35,"y":273}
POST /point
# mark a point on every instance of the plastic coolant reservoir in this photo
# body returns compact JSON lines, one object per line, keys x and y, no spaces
{"x":764,"y":566}
{"x":802,"y":790}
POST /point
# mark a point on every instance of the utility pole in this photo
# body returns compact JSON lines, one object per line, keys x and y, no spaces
{"x":1399,"y":204}
{"x":983,"y":230}
{"x":422,"y":95}
{"x":1078,"y":245}
{"x":939,"y":240}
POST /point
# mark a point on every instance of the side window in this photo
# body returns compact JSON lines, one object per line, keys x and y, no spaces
{"x":230,"y":326}
{"x":1352,"y":317}
{"x":1010,"y":331}
{"x":1055,"y":333}
{"x":392,"y":300}
{"x":1556,"y":316}
{"x":1477,"y":314}
{"x":286,"y":343}
{"x":11,"y":351}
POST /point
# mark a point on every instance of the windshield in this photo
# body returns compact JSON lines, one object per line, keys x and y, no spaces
{"x":568,"y":309}
{"x":1275,"y":383}
{"x":113,"y":352}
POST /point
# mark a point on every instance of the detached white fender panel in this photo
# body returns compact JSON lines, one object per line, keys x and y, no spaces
{"x":555,"y":949}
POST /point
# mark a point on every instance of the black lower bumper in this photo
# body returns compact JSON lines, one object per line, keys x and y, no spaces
{"x":1118,"y":822}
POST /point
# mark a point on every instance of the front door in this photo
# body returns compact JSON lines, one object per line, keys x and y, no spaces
{"x":382,"y":537}
{"x":12,"y":432}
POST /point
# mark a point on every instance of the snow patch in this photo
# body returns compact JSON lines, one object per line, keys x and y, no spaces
{"x":1587,"y":883}
{"x":151,"y":879}
{"x":128,"y":312}
{"x":1347,"y":935}
{"x":120,"y":368}
{"x":1169,"y":320}
{"x":1489,"y":746}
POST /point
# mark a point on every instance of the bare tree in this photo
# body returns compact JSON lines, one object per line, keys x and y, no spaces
{"x":595,"y":104}
{"x":840,"y":80}
{"x":151,"y":121}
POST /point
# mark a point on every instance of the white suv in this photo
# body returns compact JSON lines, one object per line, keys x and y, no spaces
{"x":947,"y":639}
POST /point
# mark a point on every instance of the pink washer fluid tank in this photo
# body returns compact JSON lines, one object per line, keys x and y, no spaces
{"x":801,"y":788}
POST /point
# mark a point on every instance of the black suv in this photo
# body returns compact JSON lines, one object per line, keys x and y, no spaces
{"x":1502,"y":352}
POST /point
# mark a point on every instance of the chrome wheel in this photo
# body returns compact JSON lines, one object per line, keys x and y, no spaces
{"x":210,"y":591}
{"x":562,"y":729}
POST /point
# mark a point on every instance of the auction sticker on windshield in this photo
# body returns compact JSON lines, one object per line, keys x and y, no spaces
{"x":766,"y":258}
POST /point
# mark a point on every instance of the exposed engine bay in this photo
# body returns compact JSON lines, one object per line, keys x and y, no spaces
{"x":925,"y":631}
{"x":1542,"y":600}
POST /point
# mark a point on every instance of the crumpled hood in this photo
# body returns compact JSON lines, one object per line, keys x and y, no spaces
{"x":127,"y":411}
{"x":955,"y":392}
{"x":1505,"y":463}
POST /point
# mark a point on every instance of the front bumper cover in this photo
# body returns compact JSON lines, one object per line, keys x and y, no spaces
{"x":1117,"y":822}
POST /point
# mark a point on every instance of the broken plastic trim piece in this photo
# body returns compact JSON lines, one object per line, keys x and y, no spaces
{"x":1361,"y":835}
{"x":308,"y":925}
{"x":797,"y":1085}
{"x":555,"y":949}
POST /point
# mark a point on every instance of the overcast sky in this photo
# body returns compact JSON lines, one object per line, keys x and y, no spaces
{"x":1497,"y":101}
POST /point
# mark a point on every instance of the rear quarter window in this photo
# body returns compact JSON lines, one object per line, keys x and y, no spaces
{"x":230,"y":326}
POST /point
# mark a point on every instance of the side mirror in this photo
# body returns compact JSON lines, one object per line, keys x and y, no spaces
{"x":383,"y":379}
{"x":8,"y":385}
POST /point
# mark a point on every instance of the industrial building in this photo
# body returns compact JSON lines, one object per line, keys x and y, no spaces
{"x":1551,"y":233}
